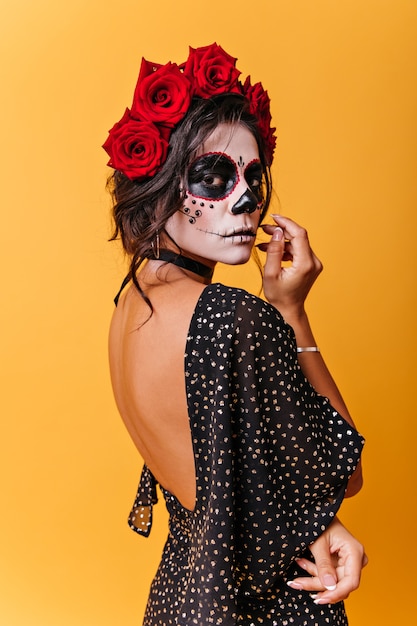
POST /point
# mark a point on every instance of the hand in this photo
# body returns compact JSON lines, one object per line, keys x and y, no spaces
{"x":339,"y":560}
{"x":287,"y":287}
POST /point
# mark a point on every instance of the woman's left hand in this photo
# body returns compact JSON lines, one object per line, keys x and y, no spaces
{"x":338,"y":562}
{"x":286,"y":287}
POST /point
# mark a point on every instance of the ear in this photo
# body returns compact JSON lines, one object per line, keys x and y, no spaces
{"x":183,"y":187}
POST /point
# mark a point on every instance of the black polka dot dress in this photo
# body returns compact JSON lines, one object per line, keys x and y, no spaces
{"x":272,"y":463}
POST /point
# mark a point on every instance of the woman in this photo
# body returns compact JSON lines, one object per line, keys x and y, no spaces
{"x":252,"y":459}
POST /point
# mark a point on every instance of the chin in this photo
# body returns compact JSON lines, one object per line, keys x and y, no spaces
{"x":237,"y":259}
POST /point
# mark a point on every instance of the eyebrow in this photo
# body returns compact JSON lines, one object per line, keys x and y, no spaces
{"x":253,"y":163}
{"x":210,"y":158}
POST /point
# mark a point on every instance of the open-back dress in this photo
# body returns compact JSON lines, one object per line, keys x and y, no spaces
{"x":272,"y":462}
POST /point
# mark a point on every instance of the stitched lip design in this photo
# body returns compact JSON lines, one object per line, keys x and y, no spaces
{"x":241,"y":232}
{"x":247,"y":232}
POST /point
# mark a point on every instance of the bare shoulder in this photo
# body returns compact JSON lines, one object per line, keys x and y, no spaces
{"x":170,"y":307}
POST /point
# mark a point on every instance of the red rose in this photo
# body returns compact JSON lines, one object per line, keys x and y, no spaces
{"x":270,"y":143}
{"x":259,"y":106}
{"x":136,"y":148}
{"x":212,"y":71}
{"x":162,"y":94}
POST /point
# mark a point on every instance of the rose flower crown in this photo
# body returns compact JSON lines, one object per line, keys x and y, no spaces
{"x":138,"y":143}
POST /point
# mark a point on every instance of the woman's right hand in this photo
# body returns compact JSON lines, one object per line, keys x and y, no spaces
{"x":286,"y":287}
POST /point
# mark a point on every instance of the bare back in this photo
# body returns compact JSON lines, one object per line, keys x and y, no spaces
{"x":147,"y":371}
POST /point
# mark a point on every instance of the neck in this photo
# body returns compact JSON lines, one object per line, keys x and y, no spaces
{"x":184,"y":262}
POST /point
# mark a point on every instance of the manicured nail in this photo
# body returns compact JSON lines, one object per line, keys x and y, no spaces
{"x":329,"y":582}
{"x":294,"y":585}
{"x":278,"y":234}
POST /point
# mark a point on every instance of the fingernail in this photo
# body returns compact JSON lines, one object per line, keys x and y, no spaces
{"x":278,"y":234}
{"x":294,"y":585}
{"x":329,"y":582}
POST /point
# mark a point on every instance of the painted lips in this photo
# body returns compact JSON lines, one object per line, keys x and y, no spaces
{"x":246,"y":235}
{"x":243,"y":236}
{"x":237,"y":233}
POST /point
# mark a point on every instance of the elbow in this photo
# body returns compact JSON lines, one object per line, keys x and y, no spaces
{"x":355,"y":482}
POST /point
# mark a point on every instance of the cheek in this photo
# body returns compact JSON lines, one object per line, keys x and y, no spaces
{"x":197,"y":209}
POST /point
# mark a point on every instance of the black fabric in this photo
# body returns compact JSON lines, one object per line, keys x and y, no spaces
{"x":272,"y":463}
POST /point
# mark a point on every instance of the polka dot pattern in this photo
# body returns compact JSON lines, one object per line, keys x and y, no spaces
{"x":272,"y":463}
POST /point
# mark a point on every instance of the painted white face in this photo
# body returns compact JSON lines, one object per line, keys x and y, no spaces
{"x":221,"y":212}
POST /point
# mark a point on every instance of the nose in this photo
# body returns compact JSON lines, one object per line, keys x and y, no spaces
{"x":247,"y":203}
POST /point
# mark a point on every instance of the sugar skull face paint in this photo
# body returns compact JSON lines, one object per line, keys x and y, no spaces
{"x":221,"y":210}
{"x":214,"y":176}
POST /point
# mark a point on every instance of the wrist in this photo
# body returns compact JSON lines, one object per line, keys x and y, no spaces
{"x":293,"y":315}
{"x":298,"y":319}
{"x":301,"y":326}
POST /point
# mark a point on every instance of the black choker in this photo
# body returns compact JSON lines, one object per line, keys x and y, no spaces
{"x":184,"y":262}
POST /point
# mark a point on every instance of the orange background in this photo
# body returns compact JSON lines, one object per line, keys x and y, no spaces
{"x":342,"y":78}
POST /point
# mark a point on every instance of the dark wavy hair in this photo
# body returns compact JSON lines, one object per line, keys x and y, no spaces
{"x":141,"y":209}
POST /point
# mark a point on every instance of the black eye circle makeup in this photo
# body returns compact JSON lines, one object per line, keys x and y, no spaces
{"x":253,"y":176}
{"x":214,"y":176}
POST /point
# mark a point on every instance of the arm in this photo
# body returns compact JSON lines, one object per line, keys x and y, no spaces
{"x":286,"y":288}
{"x":338,"y":556}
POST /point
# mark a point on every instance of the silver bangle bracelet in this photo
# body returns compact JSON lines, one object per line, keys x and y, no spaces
{"x":309,"y":349}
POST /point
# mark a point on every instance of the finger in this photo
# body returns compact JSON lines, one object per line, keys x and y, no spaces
{"x":349,"y":580}
{"x":308,"y":566}
{"x":274,"y":254}
{"x":326,"y":571}
{"x":298,"y":237}
{"x":290,"y":235}
{"x":352,"y":570}
{"x":308,"y":583}
{"x":287,"y":256}
{"x":268,"y":228}
{"x":342,"y":592}
{"x":290,"y":228}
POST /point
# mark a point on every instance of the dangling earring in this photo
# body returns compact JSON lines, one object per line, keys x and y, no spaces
{"x":155,"y":246}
